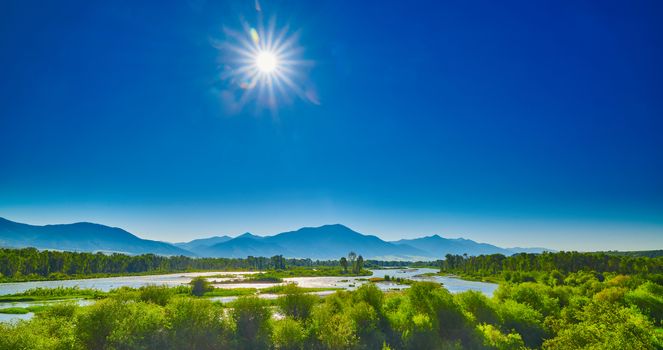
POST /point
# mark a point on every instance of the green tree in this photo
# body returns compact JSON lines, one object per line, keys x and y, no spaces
{"x":251,"y":317}
{"x":200,"y":286}
{"x":288,"y":334}
{"x":196,"y":324}
{"x":358,"y":265}
{"x":344,"y":264}
{"x":295,"y":303}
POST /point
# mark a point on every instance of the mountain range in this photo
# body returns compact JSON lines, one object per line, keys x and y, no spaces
{"x":81,"y":236}
{"x":324,"y":242}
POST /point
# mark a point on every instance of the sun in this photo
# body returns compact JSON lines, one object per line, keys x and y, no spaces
{"x":264,"y":67}
{"x":266,"y":62}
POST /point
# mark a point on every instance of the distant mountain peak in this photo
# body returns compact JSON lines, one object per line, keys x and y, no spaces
{"x":247,"y":235}
{"x":330,"y":241}
{"x":81,"y":236}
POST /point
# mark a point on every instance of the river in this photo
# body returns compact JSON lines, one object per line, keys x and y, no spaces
{"x":454,"y":285}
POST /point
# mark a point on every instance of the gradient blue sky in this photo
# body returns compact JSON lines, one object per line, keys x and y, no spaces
{"x":519,"y":124}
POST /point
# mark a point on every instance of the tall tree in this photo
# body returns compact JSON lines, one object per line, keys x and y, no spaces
{"x":344,"y":264}
{"x":359,"y":264}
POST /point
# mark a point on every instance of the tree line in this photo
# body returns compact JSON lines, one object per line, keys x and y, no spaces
{"x":354,"y":262}
{"x":561,"y":262}
{"x":16,"y":263}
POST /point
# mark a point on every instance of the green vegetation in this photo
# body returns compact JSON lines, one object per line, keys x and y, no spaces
{"x":59,"y":293}
{"x":14,"y":310}
{"x":547,"y":301}
{"x":230,"y":292}
{"x":200,"y":286}
{"x":619,"y":312}
{"x":29,"y":264}
{"x":531,"y":267}
{"x":23,"y":310}
{"x":638,"y":253}
{"x":282,"y":289}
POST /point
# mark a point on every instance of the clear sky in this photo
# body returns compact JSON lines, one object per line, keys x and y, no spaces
{"x":519,"y":124}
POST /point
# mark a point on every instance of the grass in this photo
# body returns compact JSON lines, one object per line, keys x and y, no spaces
{"x":40,"y":294}
{"x":282,"y":288}
{"x":475,"y":278}
{"x":234,"y":292}
{"x":23,"y":310}
{"x":14,"y":310}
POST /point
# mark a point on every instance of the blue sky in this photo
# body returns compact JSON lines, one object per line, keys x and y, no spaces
{"x":519,"y":124}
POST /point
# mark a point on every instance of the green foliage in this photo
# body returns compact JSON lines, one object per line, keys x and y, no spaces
{"x":648,"y":298}
{"x":200,"y":286}
{"x":195,"y":324}
{"x":553,"y":266}
{"x":14,"y":310}
{"x":495,"y":339}
{"x":569,"y":310}
{"x":537,"y":296}
{"x":295,"y":303}
{"x":479,"y":306}
{"x":29,"y":264}
{"x":159,"y":295}
{"x":344,"y":263}
{"x":524,"y":320}
{"x":607,"y":326}
{"x":96,"y":323}
{"x":251,"y":317}
{"x":288,"y":334}
{"x":230,"y":292}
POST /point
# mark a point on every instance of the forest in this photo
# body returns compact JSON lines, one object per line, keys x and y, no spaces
{"x":32,"y":264}
{"x":29,"y":264}
{"x":561,"y":301}
{"x":527,"y":267}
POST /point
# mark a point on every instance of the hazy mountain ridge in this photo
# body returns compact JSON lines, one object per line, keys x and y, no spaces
{"x":435,"y":244}
{"x":202,"y":242}
{"x":324,"y":242}
{"x":81,"y":236}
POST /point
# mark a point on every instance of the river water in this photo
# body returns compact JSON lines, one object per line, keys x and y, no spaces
{"x":454,"y":285}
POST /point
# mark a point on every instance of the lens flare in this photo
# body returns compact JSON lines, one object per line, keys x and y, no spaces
{"x":262,"y":65}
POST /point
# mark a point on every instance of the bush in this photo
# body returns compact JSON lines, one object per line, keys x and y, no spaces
{"x":288,"y":334}
{"x":648,"y":298}
{"x":200,"y":286}
{"x":524,"y":320}
{"x":195,"y":324}
{"x":159,"y":295}
{"x":295,"y":303}
{"x":608,"y":326}
{"x":251,"y":317}
{"x":495,"y":339}
{"x":143,"y":329}
{"x":478,"y":305}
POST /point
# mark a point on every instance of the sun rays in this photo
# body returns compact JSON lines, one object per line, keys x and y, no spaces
{"x":262,"y":67}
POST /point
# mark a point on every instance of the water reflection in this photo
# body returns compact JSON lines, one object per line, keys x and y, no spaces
{"x":454,"y":285}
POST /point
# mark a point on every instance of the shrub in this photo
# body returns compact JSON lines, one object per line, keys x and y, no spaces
{"x":295,"y":303}
{"x":195,"y":324}
{"x":288,"y":334}
{"x":251,"y":317}
{"x":200,"y":286}
{"x":159,"y":295}
{"x":495,"y":339}
{"x":478,"y":305}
